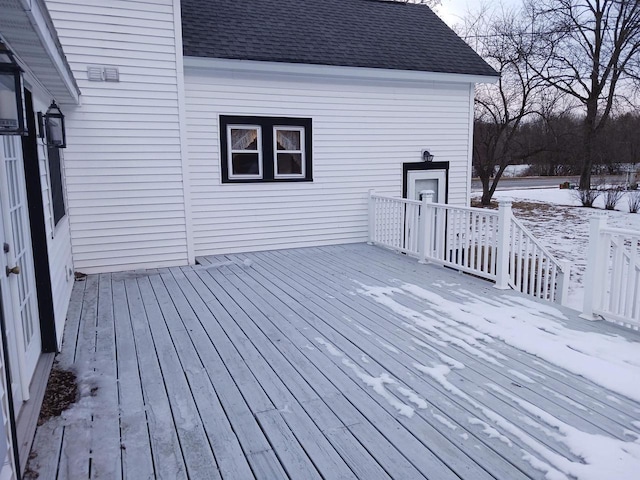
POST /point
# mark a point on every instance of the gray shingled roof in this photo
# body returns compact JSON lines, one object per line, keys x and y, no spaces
{"x":354,"y":33}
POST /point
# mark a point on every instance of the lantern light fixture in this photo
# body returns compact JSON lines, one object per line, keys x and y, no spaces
{"x":54,"y":126}
{"x":12,"y":112}
{"x":427,"y":156}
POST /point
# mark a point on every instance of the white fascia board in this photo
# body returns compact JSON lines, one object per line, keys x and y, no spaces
{"x":39,"y":17}
{"x":331,"y":71}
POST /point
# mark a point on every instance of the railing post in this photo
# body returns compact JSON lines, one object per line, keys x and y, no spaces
{"x":424,"y":237}
{"x":594,"y":276}
{"x":504,"y":236}
{"x":563,"y":287}
{"x":372,"y":218}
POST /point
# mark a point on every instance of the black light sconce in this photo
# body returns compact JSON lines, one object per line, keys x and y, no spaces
{"x":11,"y":97}
{"x":54,"y":126}
{"x":427,"y":156}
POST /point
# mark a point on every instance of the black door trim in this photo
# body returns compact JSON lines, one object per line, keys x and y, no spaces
{"x":406,"y":167}
{"x":44,"y":290}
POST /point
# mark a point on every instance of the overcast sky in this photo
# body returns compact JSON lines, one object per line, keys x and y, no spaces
{"x":451,"y":11}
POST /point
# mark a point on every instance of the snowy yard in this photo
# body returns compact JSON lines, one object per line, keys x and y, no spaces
{"x":338,"y":362}
{"x":555,"y":217}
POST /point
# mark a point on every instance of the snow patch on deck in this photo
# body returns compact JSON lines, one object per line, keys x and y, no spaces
{"x":377,"y":384}
{"x":533,"y":327}
{"x":541,"y":330}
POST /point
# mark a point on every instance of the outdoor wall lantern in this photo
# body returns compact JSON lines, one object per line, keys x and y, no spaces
{"x":427,"y":156}
{"x":11,"y":98}
{"x":54,"y":125}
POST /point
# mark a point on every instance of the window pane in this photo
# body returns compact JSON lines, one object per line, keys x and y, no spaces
{"x":288,"y":139}
{"x":289,"y":164}
{"x":244,"y":139}
{"x":245,"y":164}
{"x":57,"y":196}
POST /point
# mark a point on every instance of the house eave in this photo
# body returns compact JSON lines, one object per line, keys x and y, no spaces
{"x":331,"y":71}
{"x":27,"y":29}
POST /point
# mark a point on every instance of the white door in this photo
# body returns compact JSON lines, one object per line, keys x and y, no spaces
{"x":18,"y":277}
{"x":420,"y":180}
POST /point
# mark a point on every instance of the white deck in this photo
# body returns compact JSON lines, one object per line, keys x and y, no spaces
{"x":279,"y":365}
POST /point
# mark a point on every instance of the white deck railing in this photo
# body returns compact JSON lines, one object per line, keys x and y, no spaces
{"x":612,"y":278}
{"x":486,"y":243}
{"x":533,"y":269}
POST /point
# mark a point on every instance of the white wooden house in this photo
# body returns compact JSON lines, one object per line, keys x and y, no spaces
{"x":198,"y":127}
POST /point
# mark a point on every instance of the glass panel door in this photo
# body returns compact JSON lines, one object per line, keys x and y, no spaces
{"x":19,"y":260}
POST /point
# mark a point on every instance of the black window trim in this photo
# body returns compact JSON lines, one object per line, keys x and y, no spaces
{"x":267,"y":125}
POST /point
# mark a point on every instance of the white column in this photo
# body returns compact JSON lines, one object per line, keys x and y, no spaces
{"x":425,"y":237}
{"x":594,"y":274}
{"x":372,"y":218}
{"x":563,"y":288}
{"x":504,"y":237}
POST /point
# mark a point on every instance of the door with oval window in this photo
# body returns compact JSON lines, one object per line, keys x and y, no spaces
{"x":18,"y":276}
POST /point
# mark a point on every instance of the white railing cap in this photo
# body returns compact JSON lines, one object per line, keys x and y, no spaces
{"x":621,"y":231}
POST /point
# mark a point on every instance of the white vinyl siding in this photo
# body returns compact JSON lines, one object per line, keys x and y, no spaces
{"x":363,"y":131}
{"x":123,"y":163}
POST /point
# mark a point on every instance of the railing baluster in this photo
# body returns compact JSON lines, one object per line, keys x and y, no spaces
{"x":616,"y":273}
{"x":631,"y":279}
{"x":474,"y":240}
{"x":539,"y":278}
{"x":521,"y":258}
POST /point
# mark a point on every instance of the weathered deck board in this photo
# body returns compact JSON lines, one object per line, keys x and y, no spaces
{"x":105,"y":440}
{"x":263,"y":365}
{"x":165,"y":447}
{"x":75,"y":457}
{"x":137,"y":460}
{"x":49,"y":436}
{"x":176,"y":365}
{"x":208,"y":384}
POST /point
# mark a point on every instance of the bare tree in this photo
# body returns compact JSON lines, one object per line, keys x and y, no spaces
{"x":501,"y":108}
{"x":589,"y":50}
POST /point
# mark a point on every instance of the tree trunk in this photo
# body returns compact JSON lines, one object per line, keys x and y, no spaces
{"x":589,"y":142}
{"x":486,"y":192}
{"x":587,"y":164}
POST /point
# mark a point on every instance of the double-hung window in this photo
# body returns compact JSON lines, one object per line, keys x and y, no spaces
{"x":265,"y":149}
{"x":245,"y":151}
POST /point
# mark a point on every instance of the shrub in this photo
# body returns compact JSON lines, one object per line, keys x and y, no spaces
{"x":586,"y":197}
{"x":611,"y":198}
{"x":633,"y":197}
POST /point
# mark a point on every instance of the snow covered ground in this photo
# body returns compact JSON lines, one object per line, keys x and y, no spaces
{"x":555,"y":217}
